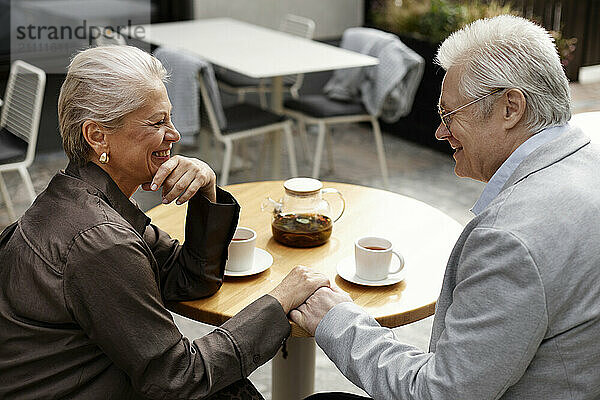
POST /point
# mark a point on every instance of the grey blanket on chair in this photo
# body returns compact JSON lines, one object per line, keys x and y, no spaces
{"x":183,"y":90}
{"x":387,"y":89}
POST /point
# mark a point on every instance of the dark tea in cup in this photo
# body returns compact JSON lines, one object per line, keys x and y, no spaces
{"x":375,"y":248}
{"x":301,"y":230}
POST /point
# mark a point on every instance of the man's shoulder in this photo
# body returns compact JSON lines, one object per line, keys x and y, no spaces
{"x":567,"y":186}
{"x":550,"y":211}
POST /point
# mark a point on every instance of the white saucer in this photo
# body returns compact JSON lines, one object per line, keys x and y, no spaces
{"x":262,"y":261}
{"x":346,"y":269}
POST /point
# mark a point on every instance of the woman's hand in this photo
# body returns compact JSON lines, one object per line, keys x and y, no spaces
{"x":297,"y":286}
{"x":181,"y":177}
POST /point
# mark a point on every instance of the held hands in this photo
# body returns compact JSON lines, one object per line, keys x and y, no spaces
{"x":295,"y":288}
{"x":309,"y":314}
{"x":181,"y":177}
{"x":307,"y":296}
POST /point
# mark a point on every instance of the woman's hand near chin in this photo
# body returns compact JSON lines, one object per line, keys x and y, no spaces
{"x":181,"y":177}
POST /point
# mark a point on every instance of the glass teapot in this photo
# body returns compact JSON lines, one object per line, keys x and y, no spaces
{"x":302,"y":218}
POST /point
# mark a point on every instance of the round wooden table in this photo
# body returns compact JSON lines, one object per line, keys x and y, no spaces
{"x":423,"y":234}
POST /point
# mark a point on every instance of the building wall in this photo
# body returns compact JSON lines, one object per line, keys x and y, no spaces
{"x":331,"y":17}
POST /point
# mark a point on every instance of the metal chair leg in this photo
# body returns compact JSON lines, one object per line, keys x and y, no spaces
{"x":207,"y":147}
{"x":263,"y":154}
{"x":7,"y":200}
{"x":262,"y":96}
{"x":226,"y":163}
{"x":319,"y":151}
{"x":304,"y":140}
{"x":28,"y":184}
{"x":292,"y":152}
{"x":241,"y":96}
{"x":329,"y":149}
{"x":380,"y":151}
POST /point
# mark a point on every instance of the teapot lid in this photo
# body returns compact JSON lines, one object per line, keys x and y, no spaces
{"x":302,"y":186}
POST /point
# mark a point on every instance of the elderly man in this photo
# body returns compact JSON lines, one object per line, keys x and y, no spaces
{"x":518,"y":316}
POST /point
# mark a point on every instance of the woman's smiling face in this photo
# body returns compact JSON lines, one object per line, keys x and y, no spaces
{"x":143,"y":142}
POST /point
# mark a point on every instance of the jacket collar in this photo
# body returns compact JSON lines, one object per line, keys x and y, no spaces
{"x":550,"y":153}
{"x":96,"y":177}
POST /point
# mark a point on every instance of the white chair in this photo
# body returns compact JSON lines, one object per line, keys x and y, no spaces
{"x":19,"y":125}
{"x":320,"y":111}
{"x":242,"y":121}
{"x":239,"y":85}
{"x":385,"y":90}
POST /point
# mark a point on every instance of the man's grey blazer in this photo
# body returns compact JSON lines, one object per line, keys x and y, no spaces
{"x":518,"y":316}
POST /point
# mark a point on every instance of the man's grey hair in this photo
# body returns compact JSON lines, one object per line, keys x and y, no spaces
{"x":510,"y":52}
{"x":103,"y":84}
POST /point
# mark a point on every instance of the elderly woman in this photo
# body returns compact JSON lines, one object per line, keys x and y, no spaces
{"x":84,"y":274}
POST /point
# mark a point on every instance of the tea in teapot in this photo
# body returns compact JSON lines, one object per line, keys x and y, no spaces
{"x":301,"y":230}
{"x":303,"y":218}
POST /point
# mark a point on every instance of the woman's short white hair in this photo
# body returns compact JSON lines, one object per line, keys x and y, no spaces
{"x":103,"y":84}
{"x":510,"y":52}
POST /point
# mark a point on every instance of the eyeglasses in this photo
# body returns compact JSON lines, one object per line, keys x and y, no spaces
{"x":446,"y":115}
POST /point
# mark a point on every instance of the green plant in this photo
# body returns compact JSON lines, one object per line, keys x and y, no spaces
{"x":475,"y":10}
{"x":432,"y":20}
{"x":565,"y":47}
{"x":424,"y":19}
{"x":435,"y":20}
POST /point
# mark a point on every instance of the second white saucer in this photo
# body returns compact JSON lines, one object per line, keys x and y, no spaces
{"x":346,"y":269}
{"x":262,"y":261}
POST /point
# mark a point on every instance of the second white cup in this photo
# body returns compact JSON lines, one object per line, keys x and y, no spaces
{"x":241,"y":250}
{"x":373,"y":258}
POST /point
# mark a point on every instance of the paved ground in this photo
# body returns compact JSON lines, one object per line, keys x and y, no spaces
{"x":414,"y":171}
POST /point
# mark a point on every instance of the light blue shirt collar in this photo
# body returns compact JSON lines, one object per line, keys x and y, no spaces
{"x":495,"y":185}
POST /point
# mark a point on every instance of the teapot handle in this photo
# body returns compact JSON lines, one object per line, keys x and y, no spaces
{"x":335,"y":191}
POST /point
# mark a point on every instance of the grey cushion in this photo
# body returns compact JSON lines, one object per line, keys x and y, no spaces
{"x":237,"y":80}
{"x":244,"y":116}
{"x":234,"y":79}
{"x":320,"y":106}
{"x":12,"y":148}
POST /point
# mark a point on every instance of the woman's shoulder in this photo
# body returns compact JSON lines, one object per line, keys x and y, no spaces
{"x":66,"y":211}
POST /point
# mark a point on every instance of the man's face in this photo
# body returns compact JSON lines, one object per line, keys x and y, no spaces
{"x":479,"y":143}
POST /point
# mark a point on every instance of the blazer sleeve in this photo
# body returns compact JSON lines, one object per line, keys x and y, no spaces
{"x":110,"y":290}
{"x":195,"y":269}
{"x":493,"y":328}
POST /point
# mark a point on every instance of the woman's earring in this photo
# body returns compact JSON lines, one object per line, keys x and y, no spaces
{"x":103,"y":158}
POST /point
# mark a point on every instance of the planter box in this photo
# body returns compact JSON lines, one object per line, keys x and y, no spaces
{"x":419,"y":126}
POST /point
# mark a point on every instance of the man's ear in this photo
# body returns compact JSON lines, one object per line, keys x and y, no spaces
{"x":95,"y":135}
{"x":514,"y":105}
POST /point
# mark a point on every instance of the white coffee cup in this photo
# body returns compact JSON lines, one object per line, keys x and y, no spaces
{"x":241,"y":250}
{"x":373,"y":258}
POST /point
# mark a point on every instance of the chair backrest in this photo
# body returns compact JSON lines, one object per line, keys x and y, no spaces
{"x":110,"y":38}
{"x":208,"y":117}
{"x":23,"y":104}
{"x":297,"y":26}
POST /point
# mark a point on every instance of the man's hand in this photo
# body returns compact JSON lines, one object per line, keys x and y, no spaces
{"x":181,"y":177}
{"x":309,"y":314}
{"x":300,"y":283}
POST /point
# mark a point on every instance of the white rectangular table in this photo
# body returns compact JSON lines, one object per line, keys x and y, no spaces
{"x":256,"y":52}
{"x":253,"y":50}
